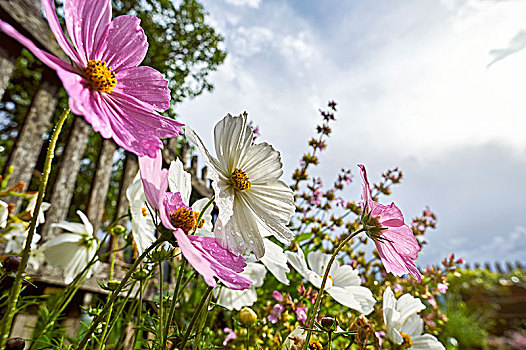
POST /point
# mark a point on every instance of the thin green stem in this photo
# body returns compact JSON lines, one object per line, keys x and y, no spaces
{"x":194,"y":318}
{"x":137,"y":328}
{"x":202,"y":324}
{"x":161,"y":311}
{"x":314,"y":311}
{"x":173,"y":303}
{"x":7,"y":321}
{"x":119,"y":312}
{"x":110,"y":302}
{"x":112,"y":267}
{"x":329,"y":344}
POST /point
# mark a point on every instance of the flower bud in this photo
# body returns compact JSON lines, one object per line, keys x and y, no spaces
{"x":118,"y":230}
{"x":247,"y":316}
{"x":328,"y":322}
{"x":15,"y":344}
{"x":11,"y":263}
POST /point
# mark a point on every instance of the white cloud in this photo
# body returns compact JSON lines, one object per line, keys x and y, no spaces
{"x":249,"y":3}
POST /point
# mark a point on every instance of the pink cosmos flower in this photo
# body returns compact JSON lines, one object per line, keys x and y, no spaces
{"x":396,"y":243}
{"x":203,"y":253}
{"x":105,"y":84}
{"x":442,"y":287}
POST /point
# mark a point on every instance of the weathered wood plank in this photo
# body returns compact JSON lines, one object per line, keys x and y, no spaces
{"x":23,"y":326}
{"x":128,"y":174}
{"x":32,"y":134}
{"x":28,"y":15}
{"x":100,"y":184}
{"x":8,"y":54}
{"x":66,"y":177}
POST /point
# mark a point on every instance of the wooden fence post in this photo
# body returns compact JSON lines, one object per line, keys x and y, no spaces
{"x":67,"y":177}
{"x":100,"y":184}
{"x":29,"y":143}
{"x":7,"y":62}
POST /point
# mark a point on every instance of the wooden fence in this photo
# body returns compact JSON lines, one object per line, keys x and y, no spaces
{"x":31,"y":144}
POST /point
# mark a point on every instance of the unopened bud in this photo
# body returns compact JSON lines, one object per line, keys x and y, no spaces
{"x":11,"y":263}
{"x":247,"y":316}
{"x":328,"y":322}
{"x":118,"y":230}
{"x":15,"y":344}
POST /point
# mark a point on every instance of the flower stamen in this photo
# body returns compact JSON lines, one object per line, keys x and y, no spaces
{"x":100,"y":77}
{"x":240,"y":180}
{"x":184,"y":218}
{"x":144,"y":212}
{"x":408,"y":343}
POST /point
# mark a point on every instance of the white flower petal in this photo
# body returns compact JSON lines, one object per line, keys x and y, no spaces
{"x":180,"y":180}
{"x":414,"y":326}
{"x":262,"y":164}
{"x":426,"y":342}
{"x":240,"y":234}
{"x":358,"y":298}
{"x":74,"y":227}
{"x":297,"y":260}
{"x":276,"y":261}
{"x":318,"y":262}
{"x":85,"y":221}
{"x":408,"y":305}
{"x":236,"y":299}
{"x":198,"y":206}
{"x":345,"y":276}
{"x":4,"y":214}
{"x":232,"y":136}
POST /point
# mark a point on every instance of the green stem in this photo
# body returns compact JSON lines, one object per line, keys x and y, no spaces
{"x":329,"y":344}
{"x":202,"y":324}
{"x":314,"y":311}
{"x":161,"y":333}
{"x":119,"y":311}
{"x":112,"y":267}
{"x":110,"y":302}
{"x":137,"y":328}
{"x":194,"y":318}
{"x":175,"y":294}
{"x":7,"y":321}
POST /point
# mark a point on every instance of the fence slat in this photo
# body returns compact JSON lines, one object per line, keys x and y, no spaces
{"x":7,"y":65}
{"x":100,"y":184}
{"x":31,"y":137}
{"x":66,"y":178}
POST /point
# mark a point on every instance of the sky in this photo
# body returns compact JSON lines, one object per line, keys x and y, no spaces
{"x":433,"y":87}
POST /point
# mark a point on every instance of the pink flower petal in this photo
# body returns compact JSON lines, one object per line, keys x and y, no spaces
{"x":366,"y":189}
{"x":51,"y":15}
{"x":145,"y":84}
{"x":220,"y":254}
{"x":99,"y":114}
{"x":124,"y":44}
{"x":403,"y":240}
{"x":154,"y":179}
{"x":195,"y":257}
{"x":46,"y":58}
{"x":390,"y":215}
{"x":87,"y":22}
{"x":136,"y":127}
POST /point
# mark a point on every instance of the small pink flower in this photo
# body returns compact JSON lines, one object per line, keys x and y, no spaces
{"x":397,"y":288}
{"x":277,"y":310}
{"x":277,"y":295}
{"x":396,"y":243}
{"x":380,"y":335}
{"x":230,"y":336}
{"x":461,"y":261}
{"x":442,"y":287}
{"x":301,"y":314}
{"x":105,"y":84}
{"x":203,"y":253}
{"x":432,"y":302}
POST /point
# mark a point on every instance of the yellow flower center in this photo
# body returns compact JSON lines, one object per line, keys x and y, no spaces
{"x":332,"y":281}
{"x":315,"y":345}
{"x":240,"y":180}
{"x":185,"y":219}
{"x":100,"y":77}
{"x":408,"y":343}
{"x":144,"y":212}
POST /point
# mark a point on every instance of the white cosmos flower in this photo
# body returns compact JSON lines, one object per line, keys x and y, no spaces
{"x":15,"y":236}
{"x":142,"y":223}
{"x":43,"y":207}
{"x":236,"y":299}
{"x":276,"y":261}
{"x":343,"y":283}
{"x":180,"y":181}
{"x":72,"y":251}
{"x":404,"y":325}
{"x":252,"y":201}
{"x":295,"y":339}
{"x":4,"y":214}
